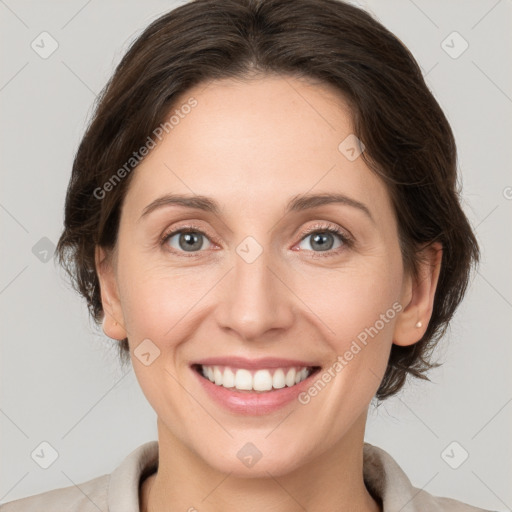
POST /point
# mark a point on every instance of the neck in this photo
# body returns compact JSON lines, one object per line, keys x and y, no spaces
{"x":332,"y":481}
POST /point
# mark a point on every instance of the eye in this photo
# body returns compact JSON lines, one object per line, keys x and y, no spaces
{"x":186,"y":240}
{"x":325,"y":239}
{"x":190,"y":240}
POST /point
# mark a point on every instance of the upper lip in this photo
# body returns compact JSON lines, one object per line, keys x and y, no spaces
{"x":260,"y":363}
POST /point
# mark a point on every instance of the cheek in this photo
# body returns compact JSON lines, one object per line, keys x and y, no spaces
{"x":358,"y":309}
{"x":155,"y":300}
{"x":354,"y":302}
{"x":344,"y":303}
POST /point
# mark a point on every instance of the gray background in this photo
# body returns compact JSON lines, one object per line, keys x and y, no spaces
{"x":61,"y":382}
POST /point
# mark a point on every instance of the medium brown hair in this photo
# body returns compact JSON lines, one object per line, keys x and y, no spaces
{"x":408,"y":140}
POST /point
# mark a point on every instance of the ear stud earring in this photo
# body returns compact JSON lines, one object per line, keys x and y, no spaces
{"x":418,"y":325}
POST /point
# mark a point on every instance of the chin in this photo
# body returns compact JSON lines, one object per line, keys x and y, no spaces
{"x":257,"y":458}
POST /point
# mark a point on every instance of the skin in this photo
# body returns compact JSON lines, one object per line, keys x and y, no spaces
{"x":251,"y":146}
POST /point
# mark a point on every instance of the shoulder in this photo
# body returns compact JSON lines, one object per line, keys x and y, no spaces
{"x":386,"y":480}
{"x":114,"y":492}
{"x":90,"y":496}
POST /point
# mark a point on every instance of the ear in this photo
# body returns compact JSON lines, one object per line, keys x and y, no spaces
{"x":113,"y":320}
{"x":418,"y":297}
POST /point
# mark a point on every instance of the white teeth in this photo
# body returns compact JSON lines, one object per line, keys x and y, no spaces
{"x":261,"y":380}
{"x":217,"y":374}
{"x":278,"y":379}
{"x":228,"y":380}
{"x":301,"y":375}
{"x":243,"y":380}
{"x":290,"y":377}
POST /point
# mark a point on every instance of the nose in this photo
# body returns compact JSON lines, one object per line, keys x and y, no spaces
{"x":255,"y":300}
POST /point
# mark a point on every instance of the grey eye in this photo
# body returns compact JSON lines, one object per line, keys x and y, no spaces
{"x":189,"y":241}
{"x":321,"y":241}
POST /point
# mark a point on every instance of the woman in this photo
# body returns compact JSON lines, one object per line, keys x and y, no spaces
{"x":263,"y":211}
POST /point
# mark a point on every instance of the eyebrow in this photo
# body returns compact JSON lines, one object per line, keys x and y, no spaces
{"x":295,"y":204}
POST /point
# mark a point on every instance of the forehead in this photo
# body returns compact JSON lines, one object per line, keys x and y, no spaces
{"x":253,"y":144}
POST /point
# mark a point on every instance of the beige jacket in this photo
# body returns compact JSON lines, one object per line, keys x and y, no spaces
{"x":119,"y":491}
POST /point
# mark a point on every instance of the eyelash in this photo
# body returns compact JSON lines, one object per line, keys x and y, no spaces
{"x":346,"y":240}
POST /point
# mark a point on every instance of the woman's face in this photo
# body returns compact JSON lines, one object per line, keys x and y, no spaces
{"x":249,"y":289}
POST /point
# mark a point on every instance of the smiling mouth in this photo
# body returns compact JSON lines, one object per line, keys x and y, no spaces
{"x":255,"y":381}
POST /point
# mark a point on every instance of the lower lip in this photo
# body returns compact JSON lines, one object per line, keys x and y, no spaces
{"x":253,"y":404}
